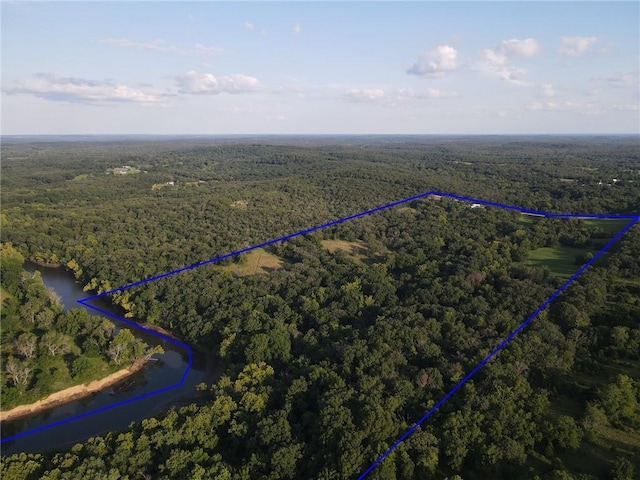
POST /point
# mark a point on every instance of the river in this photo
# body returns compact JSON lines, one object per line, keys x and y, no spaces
{"x":154,"y":376}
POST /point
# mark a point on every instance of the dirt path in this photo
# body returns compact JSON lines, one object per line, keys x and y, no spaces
{"x":69,"y":394}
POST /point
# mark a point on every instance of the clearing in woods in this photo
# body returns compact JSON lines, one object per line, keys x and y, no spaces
{"x":564,"y":261}
{"x":355,"y":250}
{"x":560,"y":260}
{"x":257,"y":261}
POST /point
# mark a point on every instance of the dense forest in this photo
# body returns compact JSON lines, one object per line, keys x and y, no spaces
{"x":337,"y":341}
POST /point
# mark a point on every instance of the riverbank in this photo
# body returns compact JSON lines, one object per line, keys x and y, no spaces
{"x":70,"y":394}
{"x":44,"y":264}
{"x":157,"y":329}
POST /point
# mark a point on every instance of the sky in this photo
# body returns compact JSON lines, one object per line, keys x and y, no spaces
{"x":215,"y":68}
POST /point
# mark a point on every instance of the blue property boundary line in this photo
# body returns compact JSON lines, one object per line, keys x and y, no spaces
{"x":84,"y":302}
{"x":502,"y":344}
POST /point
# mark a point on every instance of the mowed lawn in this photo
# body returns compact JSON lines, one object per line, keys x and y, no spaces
{"x":560,"y":260}
{"x":257,"y":261}
{"x":612,"y":227}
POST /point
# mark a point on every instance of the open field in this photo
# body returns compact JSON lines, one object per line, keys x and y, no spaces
{"x":560,"y":260}
{"x":124,"y":170}
{"x":528,"y":220}
{"x":354,"y":250}
{"x":609,"y":226}
{"x":256,"y":262}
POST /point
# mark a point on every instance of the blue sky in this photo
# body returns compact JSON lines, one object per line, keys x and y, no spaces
{"x":320,"y":67}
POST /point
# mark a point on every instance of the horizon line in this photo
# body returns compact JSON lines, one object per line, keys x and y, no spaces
{"x":600,"y":134}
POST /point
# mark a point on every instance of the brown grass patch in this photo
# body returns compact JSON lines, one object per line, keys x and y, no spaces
{"x":257,"y":262}
{"x":243,"y":204}
{"x":409,"y":210}
{"x":355,"y":250}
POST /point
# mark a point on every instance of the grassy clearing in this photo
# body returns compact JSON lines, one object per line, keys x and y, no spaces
{"x":256,"y":262}
{"x":528,"y":220}
{"x":627,"y":440}
{"x":560,"y":260}
{"x":462,"y":163}
{"x":79,"y":177}
{"x":609,"y":226}
{"x":355,"y":250}
{"x":158,"y":186}
{"x":408,"y":210}
{"x":241,"y":204}
{"x":608,"y":371}
{"x":124,"y":170}
{"x":596,"y":454}
{"x":633,"y":282}
{"x":589,"y":459}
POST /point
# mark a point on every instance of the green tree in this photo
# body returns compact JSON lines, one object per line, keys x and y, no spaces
{"x":623,"y":469}
{"x":80,"y":367}
{"x":618,"y":399}
{"x":11,"y":261}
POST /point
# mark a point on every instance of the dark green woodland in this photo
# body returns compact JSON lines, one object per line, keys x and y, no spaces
{"x":336,"y":342}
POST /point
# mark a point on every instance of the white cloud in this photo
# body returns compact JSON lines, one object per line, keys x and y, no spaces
{"x":497,"y":63}
{"x":435,"y":63}
{"x":297,"y":29}
{"x":207,"y":84}
{"x":630,"y":107}
{"x":199,"y":49}
{"x":546,"y":90}
{"x":159,"y":46}
{"x":394,"y":96}
{"x":365,"y":95}
{"x":576,"y":46}
{"x":524,"y":48}
{"x":249,"y":26}
{"x":278,"y":118}
{"x":622,"y":80}
{"x":433,"y":93}
{"x":494,"y":58}
{"x":565,"y":106}
{"x":498,"y":60}
{"x":77,"y":90}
